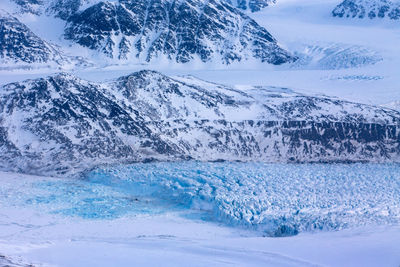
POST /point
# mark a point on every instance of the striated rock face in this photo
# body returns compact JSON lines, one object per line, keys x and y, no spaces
{"x":19,"y":44}
{"x":61,"y":123}
{"x":180,"y":31}
{"x":368,"y":8}
{"x":252,"y":5}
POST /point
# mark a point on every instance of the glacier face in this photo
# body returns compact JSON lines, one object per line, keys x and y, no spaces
{"x":272,"y":199}
{"x":277,"y":199}
{"x":368,"y":8}
{"x":60,"y":123}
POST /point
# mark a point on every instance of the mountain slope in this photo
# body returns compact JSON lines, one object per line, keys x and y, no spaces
{"x":63,"y":119}
{"x":19,"y":45}
{"x":368,"y":8}
{"x":57,"y":124}
{"x":179,"y":31}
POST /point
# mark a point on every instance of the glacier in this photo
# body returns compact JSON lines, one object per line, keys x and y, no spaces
{"x":276,"y":199}
{"x":270,"y":199}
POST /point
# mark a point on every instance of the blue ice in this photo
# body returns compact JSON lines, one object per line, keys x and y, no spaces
{"x":276,"y":199}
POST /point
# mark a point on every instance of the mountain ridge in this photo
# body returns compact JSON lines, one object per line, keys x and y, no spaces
{"x":368,"y":8}
{"x":71,"y":124}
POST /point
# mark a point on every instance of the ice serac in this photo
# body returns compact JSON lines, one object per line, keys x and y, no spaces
{"x":252,"y":5}
{"x":180,"y":31}
{"x":55,"y":124}
{"x":368,"y":8}
{"x":19,"y":45}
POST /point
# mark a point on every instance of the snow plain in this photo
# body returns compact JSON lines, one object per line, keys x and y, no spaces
{"x":61,"y":222}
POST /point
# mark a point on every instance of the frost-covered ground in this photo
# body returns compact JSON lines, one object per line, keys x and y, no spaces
{"x":198,"y":214}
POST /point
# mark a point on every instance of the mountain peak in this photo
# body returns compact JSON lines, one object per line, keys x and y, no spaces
{"x":368,"y":8}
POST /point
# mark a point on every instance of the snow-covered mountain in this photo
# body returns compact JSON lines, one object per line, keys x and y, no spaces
{"x":180,"y":31}
{"x":51,"y":124}
{"x":20,"y":46}
{"x":368,"y":8}
{"x":164,"y":30}
{"x":252,"y":5}
{"x":66,"y":8}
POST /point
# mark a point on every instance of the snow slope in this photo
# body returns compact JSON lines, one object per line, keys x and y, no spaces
{"x":393,"y":105}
